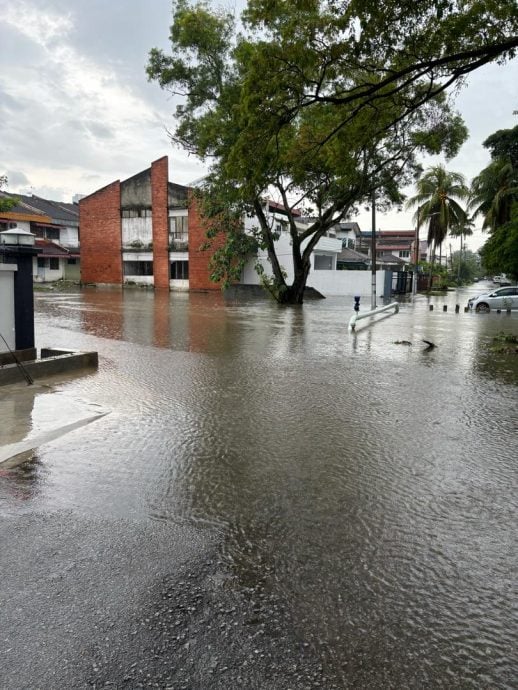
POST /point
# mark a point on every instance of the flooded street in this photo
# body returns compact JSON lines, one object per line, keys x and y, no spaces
{"x":269,"y":502}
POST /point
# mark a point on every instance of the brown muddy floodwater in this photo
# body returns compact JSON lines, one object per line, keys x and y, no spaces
{"x":358,"y":495}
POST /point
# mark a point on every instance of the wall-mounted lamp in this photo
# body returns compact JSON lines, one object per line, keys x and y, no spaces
{"x":17,"y":238}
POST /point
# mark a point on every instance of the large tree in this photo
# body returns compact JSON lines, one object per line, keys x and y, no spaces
{"x":321,"y":103}
{"x":500,"y":252}
{"x":494,"y":196}
{"x":495,"y":189}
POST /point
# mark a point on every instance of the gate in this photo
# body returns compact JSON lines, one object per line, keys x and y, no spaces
{"x":402,"y":282}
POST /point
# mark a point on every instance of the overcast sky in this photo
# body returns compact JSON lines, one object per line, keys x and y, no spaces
{"x":77,"y":112}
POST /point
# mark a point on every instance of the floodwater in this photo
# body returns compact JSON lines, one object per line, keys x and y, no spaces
{"x":359,"y":495}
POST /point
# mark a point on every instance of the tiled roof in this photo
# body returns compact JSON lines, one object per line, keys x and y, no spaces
{"x":274,"y":206}
{"x":21,"y":207}
{"x":351,"y":255}
{"x":57,"y":210}
{"x":36,"y":206}
{"x":51,"y":249}
{"x":390,"y":259}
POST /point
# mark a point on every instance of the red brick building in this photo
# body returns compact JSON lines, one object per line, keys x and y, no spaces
{"x":144,"y":230}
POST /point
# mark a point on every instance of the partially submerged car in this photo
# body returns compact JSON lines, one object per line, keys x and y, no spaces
{"x":503,"y":298}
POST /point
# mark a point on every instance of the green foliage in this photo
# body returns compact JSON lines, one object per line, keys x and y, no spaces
{"x":6,"y":203}
{"x":504,"y":144}
{"x":229,"y":257}
{"x":505,"y":343}
{"x":464,"y":268}
{"x":500,"y":252}
{"x":494,"y":195}
{"x":495,"y":189}
{"x":319,"y":104}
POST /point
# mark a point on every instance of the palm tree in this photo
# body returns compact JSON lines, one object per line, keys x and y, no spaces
{"x":437,"y":193}
{"x":493,"y":192}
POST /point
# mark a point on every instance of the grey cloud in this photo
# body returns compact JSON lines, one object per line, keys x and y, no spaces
{"x":17,"y":178}
{"x":99,"y":129}
{"x":8,"y":103}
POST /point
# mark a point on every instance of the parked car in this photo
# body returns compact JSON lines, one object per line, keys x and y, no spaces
{"x":502,"y":298}
{"x":501,"y":280}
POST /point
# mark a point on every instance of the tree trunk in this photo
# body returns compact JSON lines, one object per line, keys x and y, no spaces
{"x":294,"y":293}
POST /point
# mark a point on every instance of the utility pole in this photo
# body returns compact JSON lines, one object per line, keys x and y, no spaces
{"x":373,"y":251}
{"x":416,"y":252}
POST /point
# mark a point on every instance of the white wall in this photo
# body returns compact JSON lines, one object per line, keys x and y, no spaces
{"x":7,"y":302}
{"x":139,"y":280}
{"x":328,"y":246}
{"x":21,"y":225}
{"x":137,"y":230}
{"x":45,"y":274}
{"x":179,"y":285}
{"x":331,"y":283}
{"x":137,"y":256}
{"x":68,"y":236}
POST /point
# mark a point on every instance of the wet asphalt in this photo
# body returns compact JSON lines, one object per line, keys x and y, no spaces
{"x":91,"y":603}
{"x":230,"y":523}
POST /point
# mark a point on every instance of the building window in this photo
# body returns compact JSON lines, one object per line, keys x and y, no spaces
{"x":54,"y":263}
{"x":41,"y":262}
{"x":46,"y":233}
{"x":136,"y":213}
{"x":179,"y":270}
{"x":323,"y":262}
{"x":404,"y":253}
{"x":178,"y":227}
{"x":138,"y":268}
{"x":71,"y":262}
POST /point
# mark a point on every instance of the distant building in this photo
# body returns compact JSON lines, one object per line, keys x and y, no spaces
{"x":56,"y":226}
{"x":146,"y":230}
{"x":143,"y":230}
{"x":392,"y":246}
{"x":348,"y":232}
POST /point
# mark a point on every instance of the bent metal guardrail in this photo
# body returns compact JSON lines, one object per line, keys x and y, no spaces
{"x":357,"y":316}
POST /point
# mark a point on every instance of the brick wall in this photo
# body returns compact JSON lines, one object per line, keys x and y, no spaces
{"x":199,"y":259}
{"x":159,"y":201}
{"x":100,"y":227}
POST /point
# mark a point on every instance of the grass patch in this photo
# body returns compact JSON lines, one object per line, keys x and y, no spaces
{"x":505,"y":343}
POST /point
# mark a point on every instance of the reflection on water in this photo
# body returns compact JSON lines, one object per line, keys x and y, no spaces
{"x":362,"y":492}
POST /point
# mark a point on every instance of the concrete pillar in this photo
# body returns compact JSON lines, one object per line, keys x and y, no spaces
{"x":24,"y":299}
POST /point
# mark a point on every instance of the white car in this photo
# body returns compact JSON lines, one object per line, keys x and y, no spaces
{"x":503,"y":298}
{"x":501,"y":280}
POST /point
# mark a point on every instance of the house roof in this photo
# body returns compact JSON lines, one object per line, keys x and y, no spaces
{"x":346,"y":225}
{"x":393,"y":247}
{"x":279,"y":208}
{"x":57,"y":210}
{"x":21,"y":208}
{"x":352,"y":256}
{"x":397,"y":233}
{"x":390,"y":259}
{"x":49,"y":249}
{"x":47,"y":209}
{"x":380,"y":234}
